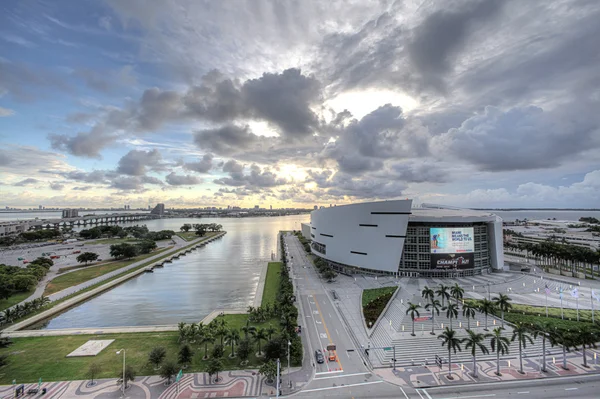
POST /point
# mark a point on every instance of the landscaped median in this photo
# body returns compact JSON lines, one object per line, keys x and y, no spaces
{"x":71,"y":300}
{"x":374,"y":301}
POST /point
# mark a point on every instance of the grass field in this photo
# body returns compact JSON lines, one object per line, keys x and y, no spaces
{"x":272,"y":283}
{"x":73,"y":278}
{"x":14,"y":299}
{"x":569,"y":314}
{"x":110,"y":241}
{"x":374,"y":293}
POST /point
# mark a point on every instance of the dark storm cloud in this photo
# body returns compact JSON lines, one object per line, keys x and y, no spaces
{"x":257,"y":178}
{"x":226,"y":140}
{"x":137,"y":163}
{"x":202,"y":166}
{"x":522,"y":138}
{"x":182,"y":180}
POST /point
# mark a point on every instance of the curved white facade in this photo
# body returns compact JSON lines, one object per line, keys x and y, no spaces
{"x":369,"y":235}
{"x":373,"y":236}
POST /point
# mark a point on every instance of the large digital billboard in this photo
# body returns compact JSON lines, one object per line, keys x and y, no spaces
{"x":453,"y":261}
{"x":451,"y":240}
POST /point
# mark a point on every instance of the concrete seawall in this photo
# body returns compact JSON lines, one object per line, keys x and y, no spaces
{"x":89,"y":294}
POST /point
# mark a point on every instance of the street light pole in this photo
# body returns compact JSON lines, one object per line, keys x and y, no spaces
{"x":277,"y":386}
{"x":289,"y":380}
{"x":123,"y":387}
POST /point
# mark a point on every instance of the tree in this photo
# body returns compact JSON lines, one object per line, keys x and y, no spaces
{"x":545,"y":330}
{"x":146,"y":246}
{"x":200,"y":230}
{"x":413,"y":309}
{"x":207,"y":338}
{"x":468,"y":311}
{"x":428,"y":294}
{"x":520,"y":333}
{"x":270,"y":331}
{"x":185,"y":355}
{"x":243,"y":350}
{"x":87,"y":257}
{"x":156,"y":356}
{"x":182,"y":332}
{"x":587,"y":337}
{"x":434,"y":305}
{"x":269,"y":370}
{"x":3,"y":360}
{"x":218,"y":351}
{"x":451,"y":312}
{"x":168,"y":370}
{"x":186,"y":227}
{"x":500,"y":345}
{"x":486,"y":307}
{"x":442,"y":292}
{"x":329,"y":275}
{"x":24,"y":282}
{"x":260,"y":335}
{"x":502,"y":302}
{"x":453,"y":342}
{"x":215,"y":366}
{"x":563,"y":338}
{"x":475,"y":341}
{"x":93,"y":370}
{"x":123,"y":250}
{"x":232,"y":337}
{"x":457,"y":292}
{"x":129,"y":375}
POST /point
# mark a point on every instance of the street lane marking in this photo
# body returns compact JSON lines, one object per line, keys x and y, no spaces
{"x":337,"y":358}
{"x":473,"y":396}
{"x":426,"y":394}
{"x":570,"y":389}
{"x":342,"y":386}
{"x":341,"y":375}
{"x":421,"y":396}
{"x":523,"y":392}
{"x":405,"y":395}
{"x":328,"y":372}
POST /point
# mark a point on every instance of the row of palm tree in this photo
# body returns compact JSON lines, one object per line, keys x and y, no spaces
{"x":523,"y":334}
{"x":558,"y":254}
{"x":217,"y":330}
{"x":18,"y":311}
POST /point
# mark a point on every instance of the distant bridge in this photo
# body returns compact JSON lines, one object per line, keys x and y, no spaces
{"x":89,"y":220}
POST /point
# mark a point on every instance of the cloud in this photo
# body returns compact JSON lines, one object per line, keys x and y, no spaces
{"x":4,"y":112}
{"x":26,"y":83}
{"x":96,"y":176}
{"x":182,"y":180}
{"x":26,"y":182}
{"x":57,"y":186}
{"x":257,"y":178}
{"x":520,"y":138}
{"x":136,"y":162}
{"x":203,"y":166}
{"x":84,"y":144}
{"x":226,"y":140}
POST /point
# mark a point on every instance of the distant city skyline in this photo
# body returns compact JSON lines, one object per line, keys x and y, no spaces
{"x":485,"y":104}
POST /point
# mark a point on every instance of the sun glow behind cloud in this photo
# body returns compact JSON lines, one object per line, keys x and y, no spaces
{"x":362,"y":102}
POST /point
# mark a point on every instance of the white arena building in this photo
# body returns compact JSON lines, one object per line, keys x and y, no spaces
{"x":391,"y":237}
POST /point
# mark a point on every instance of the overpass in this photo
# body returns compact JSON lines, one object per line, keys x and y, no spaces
{"x":89,"y":220}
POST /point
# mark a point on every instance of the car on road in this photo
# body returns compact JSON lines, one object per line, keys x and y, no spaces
{"x":319,"y":356}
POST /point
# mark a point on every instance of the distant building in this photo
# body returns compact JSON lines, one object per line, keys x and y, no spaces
{"x":159,"y":210}
{"x":41,"y":207}
{"x":70,"y":213}
{"x":256,"y":207}
{"x":316,"y":207}
{"x":271,"y":207}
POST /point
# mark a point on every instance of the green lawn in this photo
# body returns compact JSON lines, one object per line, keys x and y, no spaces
{"x":187,"y":235}
{"x":374,"y":293}
{"x":14,"y":299}
{"x":70,"y":279}
{"x":272,"y":283}
{"x":584,"y":315}
{"x":32,"y":358}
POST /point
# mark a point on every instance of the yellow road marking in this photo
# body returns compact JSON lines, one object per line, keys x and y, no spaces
{"x":337,"y":358}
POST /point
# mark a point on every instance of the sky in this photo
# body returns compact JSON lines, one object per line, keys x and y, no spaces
{"x":469,"y":103}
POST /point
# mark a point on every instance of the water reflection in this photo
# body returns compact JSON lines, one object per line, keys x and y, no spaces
{"x":222,"y":274}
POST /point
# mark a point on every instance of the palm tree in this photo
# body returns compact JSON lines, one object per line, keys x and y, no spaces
{"x":270,"y":331}
{"x":468,"y":311}
{"x":486,"y":307}
{"x":428,"y":294}
{"x":545,"y":331}
{"x":182,"y":332}
{"x":502,"y":302}
{"x":449,"y":338}
{"x":500,"y":345}
{"x":248,"y":329}
{"x":589,"y":338}
{"x":520,"y":333}
{"x":259,"y":335}
{"x":457,"y":292}
{"x":220,"y":332}
{"x":207,"y":338}
{"x":451,"y":312}
{"x":232,"y":337}
{"x":442,"y":292}
{"x":474,"y":341}
{"x":413,"y":309}
{"x":563,"y":338}
{"x":435,"y":307}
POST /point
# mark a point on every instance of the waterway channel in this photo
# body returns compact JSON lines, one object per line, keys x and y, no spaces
{"x":221,"y":275}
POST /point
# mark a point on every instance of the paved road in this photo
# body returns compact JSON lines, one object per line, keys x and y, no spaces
{"x":323,"y":325}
